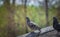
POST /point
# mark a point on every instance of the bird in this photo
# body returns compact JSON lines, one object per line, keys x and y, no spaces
{"x":32,"y":25}
{"x":56,"y":25}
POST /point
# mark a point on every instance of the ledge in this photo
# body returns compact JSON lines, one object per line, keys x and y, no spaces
{"x":43,"y":31}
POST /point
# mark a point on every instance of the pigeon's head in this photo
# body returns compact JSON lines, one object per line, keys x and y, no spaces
{"x":55,"y":20}
{"x":27,"y":18}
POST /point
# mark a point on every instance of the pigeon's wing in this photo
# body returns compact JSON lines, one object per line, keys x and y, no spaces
{"x":34,"y":23}
{"x":35,"y":27}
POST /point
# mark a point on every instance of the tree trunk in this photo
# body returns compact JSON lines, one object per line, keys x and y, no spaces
{"x":23,"y":25}
{"x":13,"y":2}
{"x":58,"y":13}
{"x":46,"y":9}
{"x":11,"y":23}
{"x":25,"y":9}
{"x":6,"y":2}
{"x":58,"y":10}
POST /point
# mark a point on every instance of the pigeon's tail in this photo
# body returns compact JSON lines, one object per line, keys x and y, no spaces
{"x":40,"y":29}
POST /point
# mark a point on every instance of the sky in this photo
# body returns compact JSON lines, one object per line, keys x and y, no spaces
{"x":31,"y":2}
{"x":1,"y":3}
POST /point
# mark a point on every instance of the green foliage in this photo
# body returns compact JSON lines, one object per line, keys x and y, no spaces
{"x":36,"y":14}
{"x":3,"y":21}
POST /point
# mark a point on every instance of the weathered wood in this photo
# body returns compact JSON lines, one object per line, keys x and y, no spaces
{"x":43,"y":31}
{"x":47,"y":29}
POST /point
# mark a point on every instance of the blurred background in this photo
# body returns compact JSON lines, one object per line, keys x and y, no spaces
{"x":13,"y":15}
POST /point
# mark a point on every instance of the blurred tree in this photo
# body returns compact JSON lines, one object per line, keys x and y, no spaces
{"x":58,"y":9}
{"x":56,"y":5}
{"x":22,"y":17}
{"x":46,"y":9}
{"x":6,"y":2}
{"x":13,"y":2}
{"x":11,"y":24}
{"x":25,"y":10}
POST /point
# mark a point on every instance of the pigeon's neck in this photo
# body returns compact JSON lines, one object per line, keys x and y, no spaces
{"x":55,"y":22}
{"x":28,"y":21}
